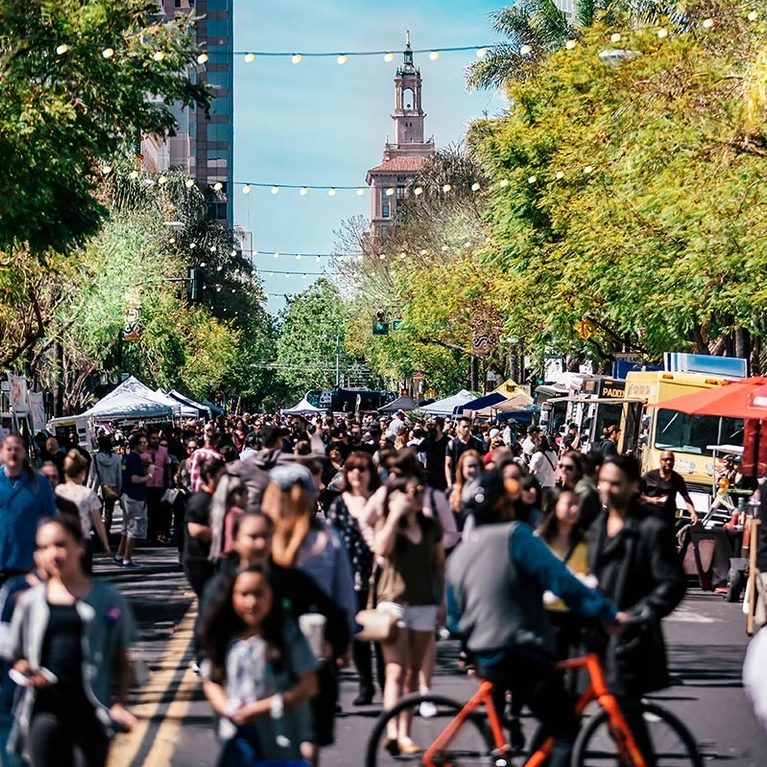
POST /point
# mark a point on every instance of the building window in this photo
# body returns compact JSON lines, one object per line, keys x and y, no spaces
{"x":384,"y":230}
{"x":401,"y":192}
{"x":401,"y":179}
{"x":385,"y":211}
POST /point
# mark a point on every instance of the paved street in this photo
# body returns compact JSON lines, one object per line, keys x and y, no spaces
{"x":706,"y":637}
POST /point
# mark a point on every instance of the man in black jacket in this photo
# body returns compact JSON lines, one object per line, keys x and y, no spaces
{"x":632,"y":552}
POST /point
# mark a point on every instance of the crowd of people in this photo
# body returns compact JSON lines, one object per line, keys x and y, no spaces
{"x":287,"y":524}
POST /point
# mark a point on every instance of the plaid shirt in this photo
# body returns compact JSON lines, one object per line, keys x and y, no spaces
{"x":196,"y":460}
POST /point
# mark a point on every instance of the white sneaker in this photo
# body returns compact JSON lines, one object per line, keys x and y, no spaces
{"x":427,"y":709}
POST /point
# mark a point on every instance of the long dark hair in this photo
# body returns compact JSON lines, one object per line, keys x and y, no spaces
{"x":221,"y":624}
{"x":549,"y":525}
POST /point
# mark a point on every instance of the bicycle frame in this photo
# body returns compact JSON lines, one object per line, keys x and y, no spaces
{"x":597,"y":690}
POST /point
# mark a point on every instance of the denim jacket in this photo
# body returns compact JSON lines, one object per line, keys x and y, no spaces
{"x":108,"y":629}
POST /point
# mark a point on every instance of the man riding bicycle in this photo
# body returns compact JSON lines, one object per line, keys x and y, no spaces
{"x":496,"y":580}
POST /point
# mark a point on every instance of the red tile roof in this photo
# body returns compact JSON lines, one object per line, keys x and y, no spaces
{"x":400,"y":164}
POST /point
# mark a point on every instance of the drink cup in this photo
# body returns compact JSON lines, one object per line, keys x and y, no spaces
{"x":312,"y":626}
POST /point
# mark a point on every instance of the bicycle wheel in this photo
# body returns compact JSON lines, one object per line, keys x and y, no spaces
{"x":673,"y":743}
{"x":471,"y":746}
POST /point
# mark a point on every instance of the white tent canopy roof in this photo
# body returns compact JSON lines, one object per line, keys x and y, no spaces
{"x":131,"y":399}
{"x":448,"y":405}
{"x":304,"y":407}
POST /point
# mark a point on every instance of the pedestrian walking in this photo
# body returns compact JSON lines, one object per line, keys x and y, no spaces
{"x":259,"y":673}
{"x":198,"y":535}
{"x":25,"y":498}
{"x":106,"y":478}
{"x":88,"y":505}
{"x":360,"y":481}
{"x":133,"y":500}
{"x":70,"y":638}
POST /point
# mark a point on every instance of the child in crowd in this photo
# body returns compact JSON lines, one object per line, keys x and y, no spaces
{"x":259,"y":673}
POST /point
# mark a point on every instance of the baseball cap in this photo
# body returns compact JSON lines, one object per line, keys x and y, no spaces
{"x":480,"y":496}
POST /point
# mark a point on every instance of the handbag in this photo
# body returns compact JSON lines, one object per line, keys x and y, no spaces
{"x":377,"y":625}
{"x":170,"y":496}
{"x":108,"y":493}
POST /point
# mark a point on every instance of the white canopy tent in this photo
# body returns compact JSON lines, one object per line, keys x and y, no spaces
{"x":448,"y":405}
{"x":132,"y":399}
{"x":203,"y":410}
{"x":304,"y":407}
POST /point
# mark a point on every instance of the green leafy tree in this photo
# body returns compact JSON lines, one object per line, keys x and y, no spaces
{"x":306,"y":345}
{"x":633,"y":195}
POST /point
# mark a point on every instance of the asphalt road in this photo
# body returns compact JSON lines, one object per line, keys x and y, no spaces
{"x":706,"y":638}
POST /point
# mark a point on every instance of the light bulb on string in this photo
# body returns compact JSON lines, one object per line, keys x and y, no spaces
{"x":526,"y":50}
{"x":62,"y":49}
{"x":560,"y":175}
{"x":297,"y":57}
{"x":342,"y":59}
{"x":360,"y":192}
{"x":444,"y":248}
{"x":298,"y":256}
{"x":446,"y":187}
{"x":218,"y":186}
{"x":275,"y":190}
{"x":202,"y":58}
{"x":249,"y":57}
{"x":277,"y":255}
{"x":319,"y":259}
{"x":532,"y":179}
{"x":133,"y":174}
{"x":570,"y":44}
{"x":434,"y":55}
{"x":708,"y":23}
{"x":752,"y":15}
{"x":475,"y":187}
{"x":162,"y":180}
{"x":332,"y":192}
{"x":271,"y":274}
{"x":189,"y":183}
{"x":246,"y":189}
{"x":303,"y":276}
{"x":388,"y":57}
{"x":503,"y":183}
{"x":106,"y":169}
{"x":107,"y":53}
{"x":662,"y":32}
{"x":389,"y":191}
{"x":418,"y":191}
{"x":588,"y":169}
{"x":615,"y":37}
{"x":481,"y":53}
{"x":158,"y":55}
{"x":304,"y":191}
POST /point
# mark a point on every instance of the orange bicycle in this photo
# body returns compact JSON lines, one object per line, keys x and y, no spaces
{"x":457,"y":734}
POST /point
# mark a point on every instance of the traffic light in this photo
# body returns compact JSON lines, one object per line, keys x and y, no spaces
{"x":380,"y":326}
{"x":194,"y":285}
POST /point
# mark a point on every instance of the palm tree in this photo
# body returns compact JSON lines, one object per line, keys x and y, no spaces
{"x":536,"y":28}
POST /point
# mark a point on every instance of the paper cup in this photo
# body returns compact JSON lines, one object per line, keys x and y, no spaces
{"x":312,"y":626}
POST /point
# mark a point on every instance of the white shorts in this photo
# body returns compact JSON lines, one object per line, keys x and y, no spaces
{"x":414,"y":617}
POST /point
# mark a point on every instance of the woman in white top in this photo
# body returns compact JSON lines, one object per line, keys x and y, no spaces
{"x":87,"y":502}
{"x":543,"y":464}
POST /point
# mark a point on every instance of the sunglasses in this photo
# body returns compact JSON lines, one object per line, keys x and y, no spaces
{"x":567,"y":466}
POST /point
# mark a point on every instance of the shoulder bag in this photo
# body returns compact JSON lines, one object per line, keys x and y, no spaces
{"x":377,"y":625}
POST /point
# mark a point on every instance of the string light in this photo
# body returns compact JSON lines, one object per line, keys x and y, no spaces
{"x":107,"y":53}
{"x":162,"y":180}
{"x":360,"y":192}
{"x":708,"y":23}
{"x":475,"y":187}
{"x":275,"y":190}
{"x":189,"y":183}
{"x":752,"y":15}
{"x":218,"y":186}
{"x":133,"y":174}
{"x":389,"y":57}
{"x":481,"y":53}
{"x":434,"y":55}
{"x":503,"y":183}
{"x":343,"y":56}
{"x":532,"y":179}
{"x":246,"y":189}
{"x":296,"y":58}
{"x":418,"y":191}
{"x":332,"y":192}
{"x":389,"y":191}
{"x":158,"y":55}
{"x":662,"y":32}
{"x":250,"y":57}
{"x":342,"y":59}
{"x":526,"y":50}
{"x":202,"y":58}
{"x":304,"y":191}
{"x":570,"y":44}
{"x":446,"y":187}
{"x":560,"y":175}
{"x":615,"y":38}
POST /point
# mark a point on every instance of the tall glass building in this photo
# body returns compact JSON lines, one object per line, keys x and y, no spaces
{"x":204,"y":147}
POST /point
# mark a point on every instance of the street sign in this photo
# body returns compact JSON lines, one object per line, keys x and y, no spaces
{"x":632,"y":357}
{"x":480,"y":345}
{"x":397,"y":326}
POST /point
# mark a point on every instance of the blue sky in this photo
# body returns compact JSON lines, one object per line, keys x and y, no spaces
{"x":320,"y":123}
